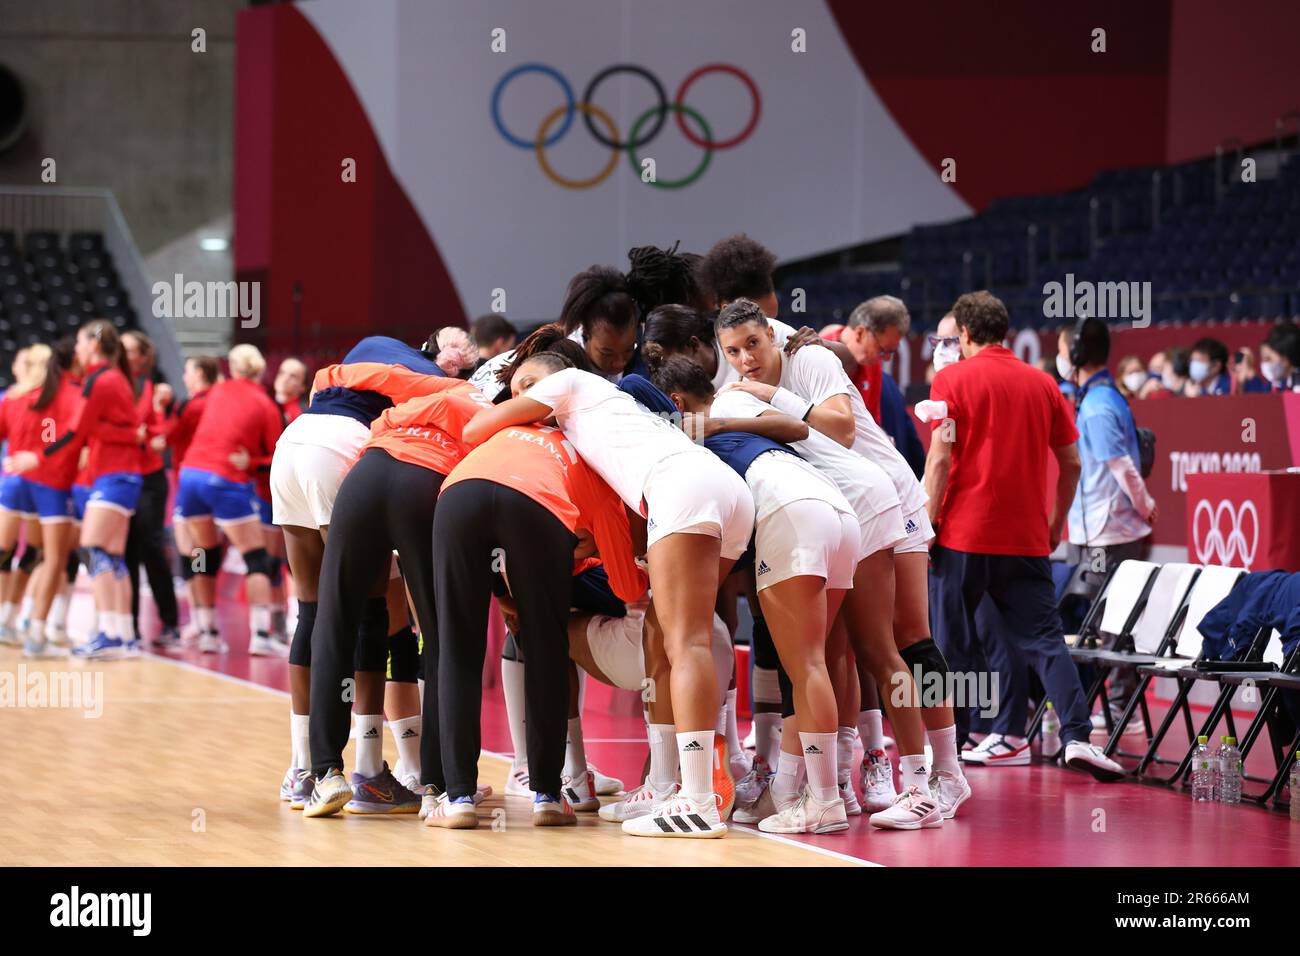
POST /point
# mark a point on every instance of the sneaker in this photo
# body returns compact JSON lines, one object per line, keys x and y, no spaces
{"x":381,"y":794}
{"x":517,"y":782}
{"x":740,"y":764}
{"x":639,"y":803}
{"x":758,"y":809}
{"x":1085,"y":756}
{"x":33,"y":647}
{"x":910,"y":811}
{"x":550,"y":810}
{"x":951,"y":790}
{"x":429,"y":797}
{"x":876,"y":777}
{"x":681,"y":817}
{"x":581,"y":793}
{"x":1134,"y":726}
{"x":287,"y":784}
{"x":750,"y":786}
{"x":57,"y":643}
{"x":302,"y":790}
{"x":9,"y":636}
{"x":996,"y":750}
{"x":167,"y":639}
{"x":329,"y":795}
{"x":723,"y":785}
{"x":212,"y":644}
{"x":100,"y":648}
{"x":605,"y":786}
{"x":260,"y":645}
{"x":850,"y":797}
{"x":458,"y":814}
{"x":132,"y":648}
{"x":807,"y":815}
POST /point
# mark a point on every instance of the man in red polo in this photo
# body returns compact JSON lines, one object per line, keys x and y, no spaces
{"x":985,"y":478}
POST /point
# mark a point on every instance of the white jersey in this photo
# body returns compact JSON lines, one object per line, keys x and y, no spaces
{"x":816,"y":374}
{"x":725,"y":373}
{"x":776,"y":479}
{"x":866,"y":488}
{"x":616,"y":436}
{"x":485,"y":379}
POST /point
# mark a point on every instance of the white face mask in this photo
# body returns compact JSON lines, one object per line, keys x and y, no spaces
{"x":1134,"y":381}
{"x":1199,"y":370}
{"x":1063,"y":367}
{"x":1273,"y":371}
{"x":946,"y":355}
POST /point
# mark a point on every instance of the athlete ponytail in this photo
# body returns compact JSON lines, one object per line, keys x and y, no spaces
{"x":110,"y":344}
{"x":61,"y":354}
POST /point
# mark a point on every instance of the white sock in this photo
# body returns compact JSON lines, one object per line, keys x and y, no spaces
{"x":259,"y":621}
{"x":370,"y":744}
{"x":695,"y":753}
{"x":785,"y":785}
{"x":943,"y":747}
{"x":819,"y":754}
{"x":300,"y":740}
{"x":871,"y":728}
{"x":36,"y":631}
{"x":575,"y":754}
{"x":126,"y":627}
{"x":58,"y":617}
{"x":512,"y":687}
{"x":732,"y":733}
{"x":110,"y":623}
{"x":663,"y":756}
{"x":767,"y":736}
{"x":205,"y":619}
{"x":846,"y":738}
{"x":912,"y":773}
{"x":6,"y":612}
{"x":25,"y":609}
{"x":406,"y":732}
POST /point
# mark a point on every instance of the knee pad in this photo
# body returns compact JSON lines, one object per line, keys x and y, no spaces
{"x":787,"y":691}
{"x":925,"y":656}
{"x":7,"y":558}
{"x":205,"y":562}
{"x":258,"y":561}
{"x":510,"y":649}
{"x":300,"y":646}
{"x":29,"y":559}
{"x":101,"y":562}
{"x":372,"y":637}
{"x":761,"y":644}
{"x":73,"y":566}
{"x":276,"y":572}
{"x":403,"y":657}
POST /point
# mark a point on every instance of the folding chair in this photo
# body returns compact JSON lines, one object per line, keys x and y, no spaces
{"x":1286,"y":678}
{"x":1212,"y":585}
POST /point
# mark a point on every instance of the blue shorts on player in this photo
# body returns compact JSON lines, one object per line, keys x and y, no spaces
{"x":264,"y":511}
{"x":32,"y":499}
{"x":119,"y":490}
{"x":80,"y":495}
{"x":204,"y":494}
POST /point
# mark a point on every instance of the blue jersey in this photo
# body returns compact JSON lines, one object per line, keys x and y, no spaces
{"x":364,"y":405}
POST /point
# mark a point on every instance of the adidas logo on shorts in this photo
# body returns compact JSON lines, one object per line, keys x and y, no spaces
{"x":650,"y":525}
{"x":910,"y":527}
{"x":763,"y":568}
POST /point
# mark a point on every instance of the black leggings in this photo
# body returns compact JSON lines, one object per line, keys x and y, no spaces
{"x":382,"y":505}
{"x":480,"y":526}
{"x":147,"y":544}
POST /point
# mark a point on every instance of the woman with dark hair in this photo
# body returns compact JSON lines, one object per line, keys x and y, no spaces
{"x":146,"y":543}
{"x":1280,"y":357}
{"x":110,"y":427}
{"x":664,"y":277}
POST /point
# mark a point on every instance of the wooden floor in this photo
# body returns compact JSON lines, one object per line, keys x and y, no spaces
{"x":182,"y":767}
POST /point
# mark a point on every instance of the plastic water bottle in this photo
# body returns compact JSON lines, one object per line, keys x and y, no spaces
{"x":1051,"y":742}
{"x":1203,"y":771}
{"x":1229,"y":771}
{"x":1295,"y":787}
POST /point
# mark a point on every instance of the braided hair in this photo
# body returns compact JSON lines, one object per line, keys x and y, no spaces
{"x":663,"y":277}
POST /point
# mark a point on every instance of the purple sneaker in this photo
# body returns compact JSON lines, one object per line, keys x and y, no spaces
{"x":381,"y":794}
{"x":302,"y":788}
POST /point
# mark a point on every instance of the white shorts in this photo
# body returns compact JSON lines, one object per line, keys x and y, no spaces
{"x":919,"y":531}
{"x":697,"y":493}
{"x":309,"y":465}
{"x":883,"y":532}
{"x":615,"y":644}
{"x":807,"y":537}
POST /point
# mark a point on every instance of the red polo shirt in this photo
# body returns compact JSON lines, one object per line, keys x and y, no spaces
{"x":1007,"y":417}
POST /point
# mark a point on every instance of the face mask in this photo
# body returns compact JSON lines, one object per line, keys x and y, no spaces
{"x":1063,"y":367}
{"x":1170,"y":381}
{"x":946,"y":355}
{"x":1272,"y":371}
{"x":1199,"y":370}
{"x":1133,"y":381}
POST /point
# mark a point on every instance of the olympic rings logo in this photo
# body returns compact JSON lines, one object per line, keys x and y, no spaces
{"x":644,"y":129}
{"x":1210,"y":542}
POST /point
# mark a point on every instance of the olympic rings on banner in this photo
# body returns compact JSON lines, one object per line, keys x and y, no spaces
{"x":587,"y":110}
{"x":556,"y":123}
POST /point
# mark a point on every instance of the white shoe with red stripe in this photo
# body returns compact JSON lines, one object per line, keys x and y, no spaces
{"x":876,"y":774}
{"x":639,"y":803}
{"x":995,"y":750}
{"x":581,"y":793}
{"x":911,"y":811}
{"x":605,"y":786}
